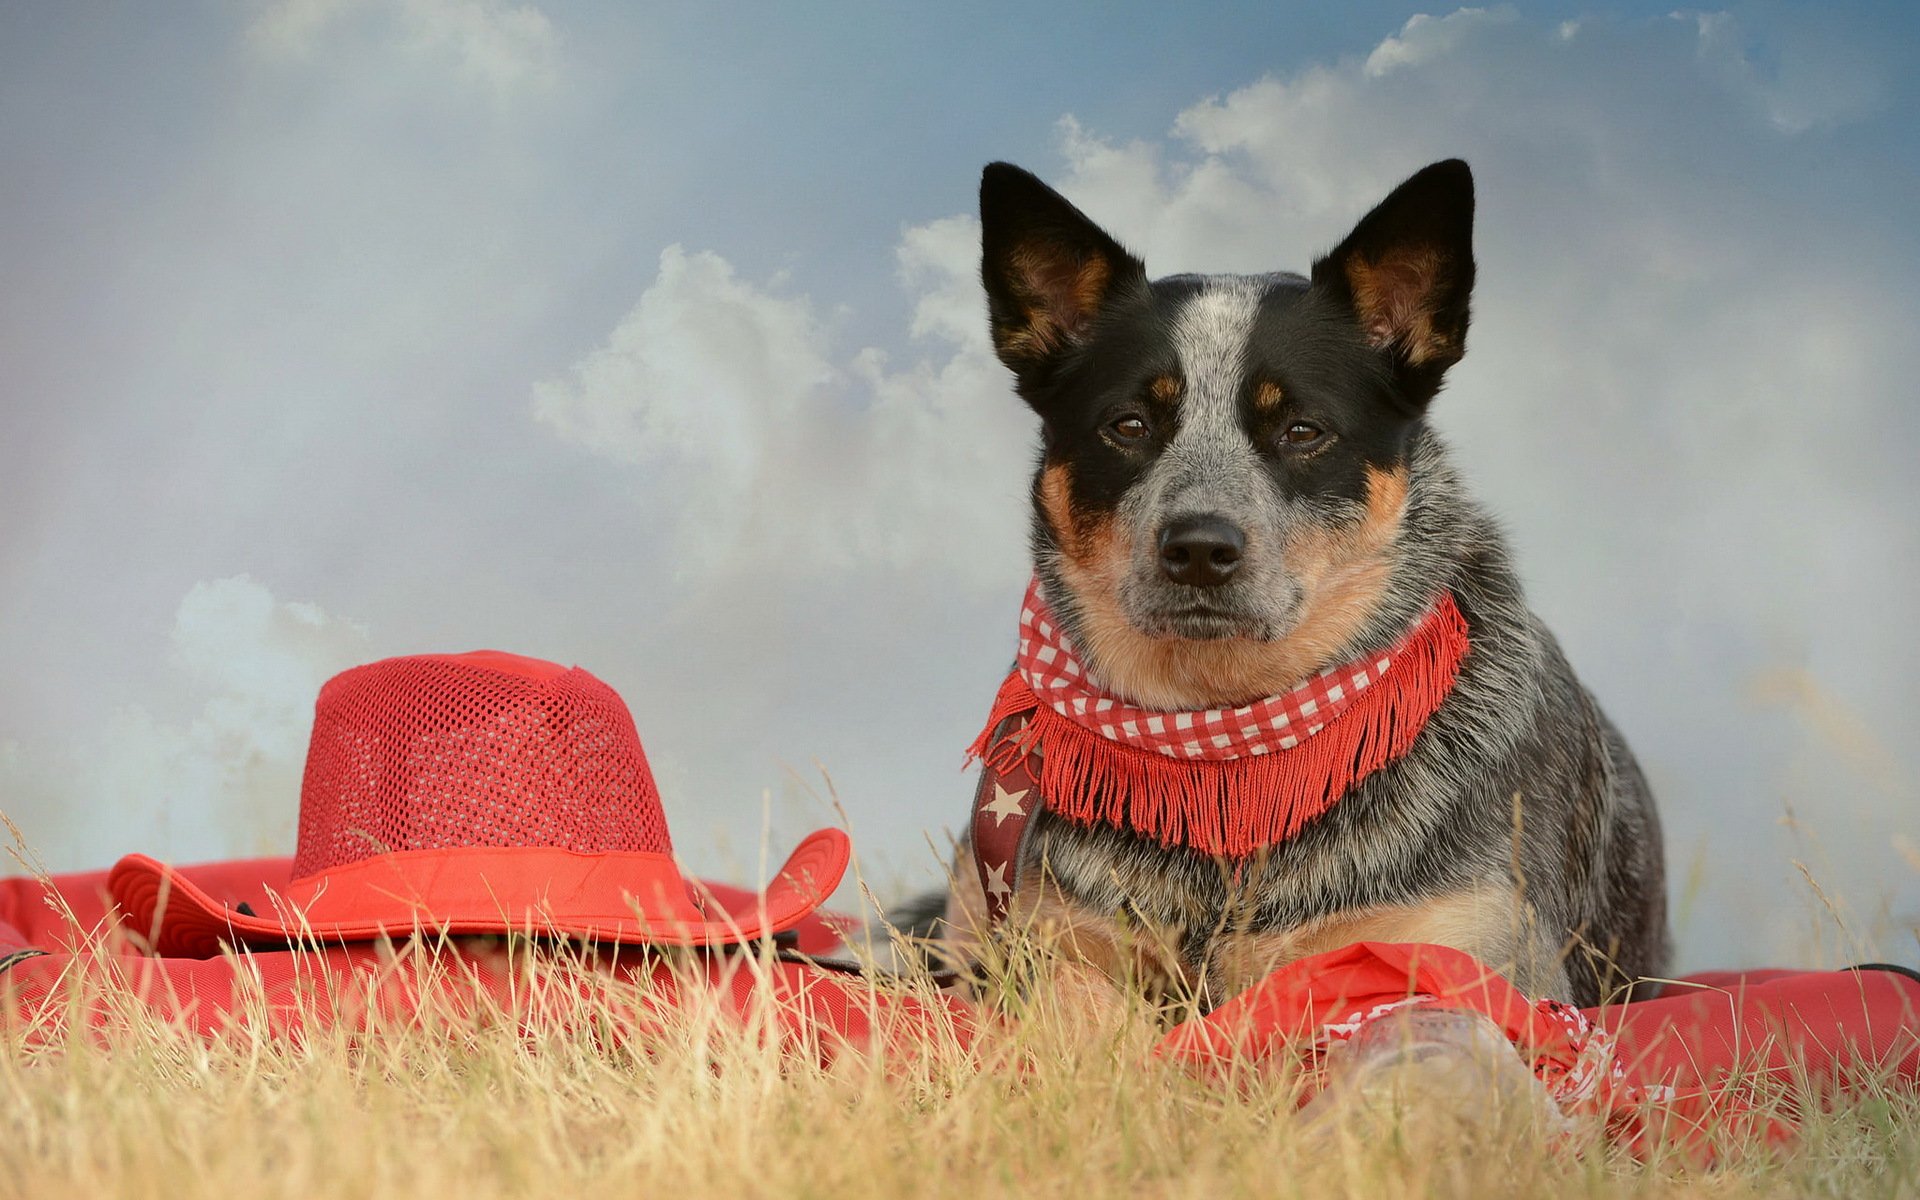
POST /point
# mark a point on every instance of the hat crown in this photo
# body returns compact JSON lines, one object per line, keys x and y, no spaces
{"x":439,"y":751}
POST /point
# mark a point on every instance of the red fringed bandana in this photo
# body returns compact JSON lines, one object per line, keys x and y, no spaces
{"x":1227,"y":782}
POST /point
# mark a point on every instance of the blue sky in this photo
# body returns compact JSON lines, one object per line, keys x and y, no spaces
{"x":650,"y":341}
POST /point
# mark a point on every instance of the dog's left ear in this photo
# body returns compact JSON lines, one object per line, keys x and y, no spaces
{"x":1406,"y":273}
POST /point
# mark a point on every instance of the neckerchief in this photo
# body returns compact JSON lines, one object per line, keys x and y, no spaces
{"x":1227,"y":782}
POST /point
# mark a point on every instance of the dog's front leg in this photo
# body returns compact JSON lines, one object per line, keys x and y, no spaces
{"x":1490,"y":921}
{"x":1101,"y":973}
{"x":1089,"y":970}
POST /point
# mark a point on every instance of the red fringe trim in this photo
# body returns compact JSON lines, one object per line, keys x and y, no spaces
{"x":1236,"y":807}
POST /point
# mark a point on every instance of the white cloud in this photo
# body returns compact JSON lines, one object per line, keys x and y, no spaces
{"x":225,"y":781}
{"x":938,"y":261}
{"x":501,"y":47}
{"x":770,"y":459}
{"x":704,"y":370}
{"x":1424,"y":39}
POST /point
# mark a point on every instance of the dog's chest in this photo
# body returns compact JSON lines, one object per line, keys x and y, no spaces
{"x":1205,"y":929}
{"x":1201,"y":925}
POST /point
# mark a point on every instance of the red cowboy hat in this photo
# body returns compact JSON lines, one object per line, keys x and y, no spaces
{"x":475,"y":793}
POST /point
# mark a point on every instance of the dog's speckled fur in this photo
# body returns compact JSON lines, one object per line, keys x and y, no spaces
{"x":1519,"y":827}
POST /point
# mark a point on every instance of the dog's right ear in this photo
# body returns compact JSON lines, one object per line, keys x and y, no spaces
{"x":1406,"y":275}
{"x":1048,"y":270}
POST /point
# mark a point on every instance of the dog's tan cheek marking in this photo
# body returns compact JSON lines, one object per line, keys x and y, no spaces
{"x":1080,"y":535}
{"x":1056,"y":491}
{"x":1393,"y":299}
{"x":1093,"y":547}
{"x":1343,"y":571}
{"x":1094,"y":561}
{"x":1386,"y":505}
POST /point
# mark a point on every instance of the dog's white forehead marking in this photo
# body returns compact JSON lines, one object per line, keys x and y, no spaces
{"x":1210,"y":331}
{"x":1210,"y":456}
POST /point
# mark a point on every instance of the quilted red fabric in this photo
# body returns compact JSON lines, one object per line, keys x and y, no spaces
{"x":815,"y":1012}
{"x":1675,"y":1067}
{"x":1680,"y":1067}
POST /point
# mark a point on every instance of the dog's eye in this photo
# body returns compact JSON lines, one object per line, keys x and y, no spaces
{"x":1129,"y":428}
{"x":1300,"y":434}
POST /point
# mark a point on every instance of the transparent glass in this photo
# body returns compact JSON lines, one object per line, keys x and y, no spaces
{"x":1439,"y":1068}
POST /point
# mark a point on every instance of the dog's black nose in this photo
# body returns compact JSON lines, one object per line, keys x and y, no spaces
{"x":1201,"y":551}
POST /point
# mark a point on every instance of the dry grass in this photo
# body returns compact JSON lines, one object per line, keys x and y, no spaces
{"x":559,"y":1093}
{"x":491,"y":1103}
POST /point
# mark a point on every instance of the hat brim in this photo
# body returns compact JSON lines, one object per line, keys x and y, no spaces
{"x":624,"y":898}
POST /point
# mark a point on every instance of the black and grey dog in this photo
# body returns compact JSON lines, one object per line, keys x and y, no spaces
{"x":1282,"y":422}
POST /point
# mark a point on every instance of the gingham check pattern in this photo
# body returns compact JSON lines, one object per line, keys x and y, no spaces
{"x":1055,"y":672}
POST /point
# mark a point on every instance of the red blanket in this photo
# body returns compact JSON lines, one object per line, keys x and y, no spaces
{"x":1682,"y":1050}
{"x":51,"y":936}
{"x":1688,"y":1065}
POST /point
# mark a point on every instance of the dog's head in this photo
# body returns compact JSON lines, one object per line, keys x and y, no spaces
{"x":1223,"y":470}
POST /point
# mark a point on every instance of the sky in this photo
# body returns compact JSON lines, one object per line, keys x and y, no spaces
{"x":652,"y":341}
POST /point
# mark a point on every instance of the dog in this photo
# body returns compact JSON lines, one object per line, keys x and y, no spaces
{"x":1237,"y":488}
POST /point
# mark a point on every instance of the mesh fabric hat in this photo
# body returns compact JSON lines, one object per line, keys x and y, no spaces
{"x":475,"y":793}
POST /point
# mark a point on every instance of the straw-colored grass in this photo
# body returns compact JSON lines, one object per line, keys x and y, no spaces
{"x":572,"y":1103}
